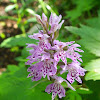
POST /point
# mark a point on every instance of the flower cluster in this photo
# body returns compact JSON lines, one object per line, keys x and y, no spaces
{"x":49,"y":53}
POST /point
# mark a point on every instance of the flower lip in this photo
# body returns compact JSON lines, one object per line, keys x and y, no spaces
{"x":60,"y":46}
{"x":40,"y":38}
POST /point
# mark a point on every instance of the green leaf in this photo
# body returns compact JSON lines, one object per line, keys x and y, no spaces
{"x":83,"y":91}
{"x":31,"y":20}
{"x":81,"y":6}
{"x":8,"y":17}
{"x":89,"y":40}
{"x":17,"y":86}
{"x":25,"y":52}
{"x":10,"y":7}
{"x":49,"y":8}
{"x":72,"y":95}
{"x":94,"y":68}
{"x":94,"y":22}
{"x":20,"y":59}
{"x":18,"y":40}
{"x":72,"y":14}
{"x":30,"y":11}
{"x":12,"y":68}
{"x":92,"y":75}
{"x":43,"y":6}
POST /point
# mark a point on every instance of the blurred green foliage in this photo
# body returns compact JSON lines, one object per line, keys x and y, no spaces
{"x":82,"y":24}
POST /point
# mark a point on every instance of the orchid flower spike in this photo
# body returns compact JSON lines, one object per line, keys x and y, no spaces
{"x":49,"y":53}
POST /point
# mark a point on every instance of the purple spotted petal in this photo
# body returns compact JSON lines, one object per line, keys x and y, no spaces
{"x":74,"y":70}
{"x":49,"y":88}
{"x":48,"y":68}
{"x":51,"y":19}
{"x":44,"y":18}
{"x":59,"y":26}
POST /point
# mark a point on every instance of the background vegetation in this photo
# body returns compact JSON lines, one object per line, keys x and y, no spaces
{"x":17,"y":20}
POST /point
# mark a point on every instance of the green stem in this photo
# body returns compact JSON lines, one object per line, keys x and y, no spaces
{"x":38,"y":83}
{"x":43,"y":6}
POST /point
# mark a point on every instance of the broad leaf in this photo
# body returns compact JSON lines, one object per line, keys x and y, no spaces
{"x":81,"y":6}
{"x":90,"y":38}
{"x":10,"y":7}
{"x":18,"y":40}
{"x":94,"y":22}
{"x":30,"y":11}
{"x":72,"y":95}
{"x":94,"y":70}
{"x":17,"y":86}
